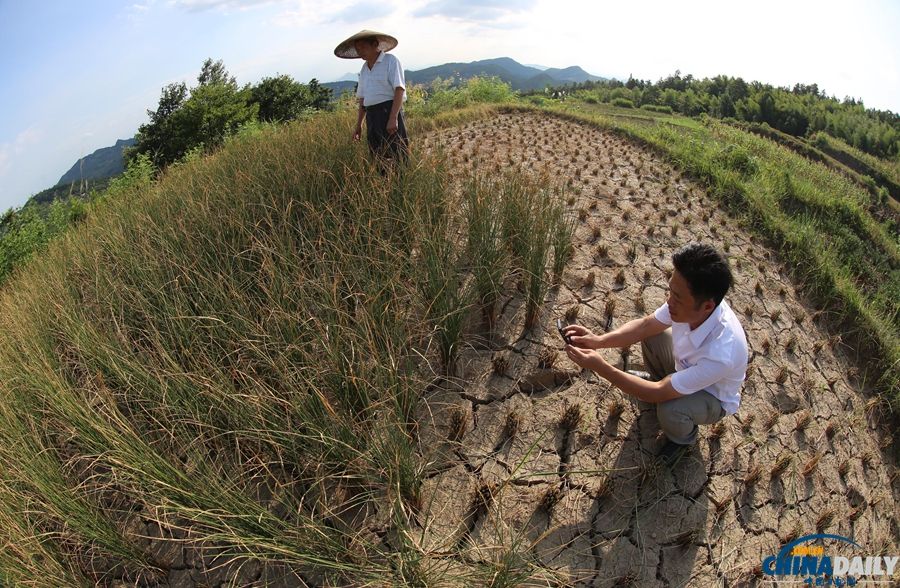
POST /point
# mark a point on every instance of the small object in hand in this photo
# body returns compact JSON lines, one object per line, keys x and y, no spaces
{"x":559,"y":327}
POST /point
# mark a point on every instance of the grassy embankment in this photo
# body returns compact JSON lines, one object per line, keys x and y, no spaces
{"x":822,"y":223}
{"x":234,"y":353}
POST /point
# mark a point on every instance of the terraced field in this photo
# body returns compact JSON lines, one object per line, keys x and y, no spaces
{"x":525,"y":450}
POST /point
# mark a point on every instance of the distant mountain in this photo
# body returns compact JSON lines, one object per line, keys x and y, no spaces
{"x":518,"y":76}
{"x":339,"y":87}
{"x":102,"y":163}
{"x":573,"y":74}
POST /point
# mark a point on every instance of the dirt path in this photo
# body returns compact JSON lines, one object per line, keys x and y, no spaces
{"x":801,"y":456}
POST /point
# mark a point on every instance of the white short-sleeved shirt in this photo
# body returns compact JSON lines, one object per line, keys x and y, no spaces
{"x":377,"y":85}
{"x":712,"y":357}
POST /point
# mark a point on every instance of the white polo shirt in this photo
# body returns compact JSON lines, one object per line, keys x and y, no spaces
{"x":377,"y":85}
{"x":712,"y":357}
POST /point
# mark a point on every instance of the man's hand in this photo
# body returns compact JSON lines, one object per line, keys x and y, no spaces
{"x":392,"y":125}
{"x":585,"y":358}
{"x":357,"y":133}
{"x":580,"y":336}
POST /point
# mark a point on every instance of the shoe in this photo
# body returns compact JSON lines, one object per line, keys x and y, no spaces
{"x":671,"y":453}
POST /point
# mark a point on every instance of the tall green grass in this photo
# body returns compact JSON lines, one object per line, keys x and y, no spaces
{"x":237,"y":351}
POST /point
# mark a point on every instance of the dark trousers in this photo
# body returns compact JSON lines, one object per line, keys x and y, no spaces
{"x":382,"y":144}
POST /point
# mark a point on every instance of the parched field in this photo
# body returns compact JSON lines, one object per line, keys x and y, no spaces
{"x":270,"y":367}
{"x":525,"y":451}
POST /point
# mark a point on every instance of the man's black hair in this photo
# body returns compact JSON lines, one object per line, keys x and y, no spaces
{"x":705,"y":270}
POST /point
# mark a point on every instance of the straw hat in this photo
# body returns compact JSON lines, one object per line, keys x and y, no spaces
{"x":346,"y":50}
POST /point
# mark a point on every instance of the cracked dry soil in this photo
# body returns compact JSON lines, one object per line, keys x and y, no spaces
{"x":584,"y":494}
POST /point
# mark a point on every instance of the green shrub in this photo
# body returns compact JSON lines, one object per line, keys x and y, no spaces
{"x":623,"y":103}
{"x":442,"y":95}
{"x":738,"y":159}
{"x":657,"y":108}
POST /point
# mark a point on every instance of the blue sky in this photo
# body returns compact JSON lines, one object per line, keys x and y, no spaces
{"x":76,"y":76}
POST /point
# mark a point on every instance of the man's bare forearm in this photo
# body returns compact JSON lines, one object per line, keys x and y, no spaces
{"x":361,"y":114}
{"x":398,"y":102}
{"x":627,"y":334}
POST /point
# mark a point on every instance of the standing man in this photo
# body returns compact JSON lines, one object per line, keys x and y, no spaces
{"x":696,"y":367}
{"x":381,"y":92}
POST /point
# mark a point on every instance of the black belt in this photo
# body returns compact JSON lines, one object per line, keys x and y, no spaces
{"x":379,"y":105}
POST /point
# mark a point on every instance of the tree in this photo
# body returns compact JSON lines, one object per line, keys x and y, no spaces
{"x":767,"y":108}
{"x":214,"y":109}
{"x":726,"y":106}
{"x":737,"y":89}
{"x":214,"y":73}
{"x":280,"y":98}
{"x":319,"y":96}
{"x":160,"y":139}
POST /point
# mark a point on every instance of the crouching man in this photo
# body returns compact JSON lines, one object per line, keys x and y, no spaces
{"x":696,"y":367}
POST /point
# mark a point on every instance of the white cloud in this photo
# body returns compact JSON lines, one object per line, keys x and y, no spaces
{"x":364,"y":11}
{"x":29,"y":136}
{"x":203,"y":5}
{"x":5,"y":163}
{"x":487,"y":12}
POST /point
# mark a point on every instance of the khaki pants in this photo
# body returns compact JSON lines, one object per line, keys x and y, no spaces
{"x":678,"y":418}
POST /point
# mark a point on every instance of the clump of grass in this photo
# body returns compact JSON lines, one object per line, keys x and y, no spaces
{"x":616,"y":408}
{"x":824,"y":520}
{"x":843,"y":469}
{"x":447,"y":298}
{"x":717,"y":430}
{"x":867,"y":459}
{"x":589,"y":279}
{"x":484,"y":246}
{"x":620,"y":277}
{"x":747,"y":424}
{"x":753,"y":475}
{"x":781,"y":465}
{"x":511,"y":425}
{"x":810,"y":466}
{"x":547,"y":358}
{"x":562,"y":234}
{"x":609,"y":308}
{"x":572,"y":313}
{"x":803,"y":419}
{"x":781,"y":375}
{"x":500,"y":364}
{"x":639,"y":304}
{"x":550,"y":498}
{"x":794,"y":533}
{"x":571,"y":418}
{"x":791,"y":344}
{"x":456,"y":424}
{"x":687,"y":538}
{"x":484,"y":497}
{"x":603,"y":489}
{"x":534,"y":223}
